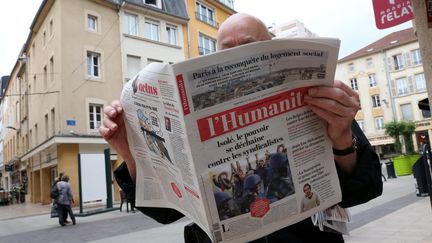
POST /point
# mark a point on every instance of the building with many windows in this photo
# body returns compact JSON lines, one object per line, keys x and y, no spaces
{"x":205,"y":16}
{"x":75,"y":60}
{"x":151,"y":31}
{"x":4,"y":173}
{"x":291,"y":29}
{"x":388,"y":75}
{"x":69,"y":68}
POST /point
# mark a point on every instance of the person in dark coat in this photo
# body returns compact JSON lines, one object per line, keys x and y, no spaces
{"x":357,"y":164}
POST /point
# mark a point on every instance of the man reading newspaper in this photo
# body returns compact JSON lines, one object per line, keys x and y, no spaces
{"x":357,"y":165}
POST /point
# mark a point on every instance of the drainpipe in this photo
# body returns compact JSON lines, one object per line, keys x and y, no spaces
{"x":387,"y":73}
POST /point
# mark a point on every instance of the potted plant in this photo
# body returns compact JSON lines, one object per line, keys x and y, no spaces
{"x":402,"y":129}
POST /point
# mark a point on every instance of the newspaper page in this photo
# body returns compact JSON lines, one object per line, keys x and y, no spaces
{"x":256,"y":147}
{"x":227,"y":139}
{"x":158,"y":142}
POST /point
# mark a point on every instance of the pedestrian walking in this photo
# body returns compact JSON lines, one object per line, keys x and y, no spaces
{"x":65,"y":215}
{"x":65,"y":200}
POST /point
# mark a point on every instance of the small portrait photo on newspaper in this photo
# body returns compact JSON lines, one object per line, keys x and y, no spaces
{"x":310,"y":199}
{"x":264,"y":176}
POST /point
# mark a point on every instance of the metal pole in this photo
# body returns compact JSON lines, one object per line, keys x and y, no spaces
{"x":108,"y":178}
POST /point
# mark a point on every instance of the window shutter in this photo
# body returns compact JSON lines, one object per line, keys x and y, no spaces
{"x":393,"y":88}
{"x":410,"y":84}
{"x":390,"y":64}
{"x":407,"y":57}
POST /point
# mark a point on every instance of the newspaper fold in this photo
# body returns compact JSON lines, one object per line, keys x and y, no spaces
{"x":227,"y":139}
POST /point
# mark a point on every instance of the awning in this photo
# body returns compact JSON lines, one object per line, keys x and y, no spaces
{"x":424,"y":104}
{"x":382,"y":141}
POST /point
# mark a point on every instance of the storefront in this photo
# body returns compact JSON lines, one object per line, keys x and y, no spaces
{"x":383,"y":146}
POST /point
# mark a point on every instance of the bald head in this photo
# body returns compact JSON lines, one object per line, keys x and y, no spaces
{"x":241,"y":29}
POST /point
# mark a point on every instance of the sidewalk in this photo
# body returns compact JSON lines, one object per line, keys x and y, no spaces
{"x":412,"y":223}
{"x":397,"y":216}
{"x":23,"y":210}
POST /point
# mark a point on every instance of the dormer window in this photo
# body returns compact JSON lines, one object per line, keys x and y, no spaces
{"x":154,"y":3}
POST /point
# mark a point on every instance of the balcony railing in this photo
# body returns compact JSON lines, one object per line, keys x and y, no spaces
{"x":206,"y":19}
{"x":204,"y":51}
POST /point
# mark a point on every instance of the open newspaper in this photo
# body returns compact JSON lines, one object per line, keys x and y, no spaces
{"x":227,"y":140}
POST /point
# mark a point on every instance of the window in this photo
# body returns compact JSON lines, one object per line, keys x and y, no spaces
{"x":133,"y":66}
{"x":376,"y":101}
{"x":152,"y":30}
{"x":351,"y":67}
{"x":229,"y":3}
{"x":93,"y":65}
{"x":398,"y":62}
{"x":30,"y":140}
{"x":420,"y":82}
{"x":407,"y":112}
{"x":51,"y":27}
{"x":52,"y":121}
{"x":45,"y":77}
{"x":131,"y":24}
{"x":426,"y":114}
{"x":416,"y":57}
{"x":46,"y":126}
{"x":206,"y":45}
{"x":402,"y":86}
{"x":36,"y":134}
{"x":95,"y":116}
{"x":44,"y":38}
{"x":33,"y":50}
{"x":153,"y":2}
{"x":52,"y":69}
{"x":172,"y":35}
{"x":372,"y":80}
{"x":361,"y":124}
{"x":205,"y":14}
{"x":379,"y":123}
{"x":92,"y":22}
{"x":354,"y":85}
{"x":369,"y":62}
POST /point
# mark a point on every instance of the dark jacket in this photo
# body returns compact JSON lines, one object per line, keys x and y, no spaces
{"x":362,"y":185}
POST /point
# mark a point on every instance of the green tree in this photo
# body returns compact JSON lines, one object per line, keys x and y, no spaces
{"x":393,"y":129}
{"x":403,"y":128}
{"x":407,"y":132}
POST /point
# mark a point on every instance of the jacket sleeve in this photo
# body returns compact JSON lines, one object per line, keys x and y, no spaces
{"x":161,"y":215}
{"x":364,"y":183}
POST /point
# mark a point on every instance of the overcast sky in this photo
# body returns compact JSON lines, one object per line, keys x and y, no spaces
{"x":352,"y":21}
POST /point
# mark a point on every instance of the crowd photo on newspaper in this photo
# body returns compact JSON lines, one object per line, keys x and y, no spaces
{"x":254,"y":143}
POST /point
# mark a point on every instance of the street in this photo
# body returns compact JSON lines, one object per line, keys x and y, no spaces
{"x":116,"y":226}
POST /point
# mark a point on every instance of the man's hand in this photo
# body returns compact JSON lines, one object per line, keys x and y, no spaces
{"x":338,"y":106}
{"x":113,"y":131}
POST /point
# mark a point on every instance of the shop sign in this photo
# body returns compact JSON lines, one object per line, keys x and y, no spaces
{"x":70,"y":122}
{"x":389,"y":13}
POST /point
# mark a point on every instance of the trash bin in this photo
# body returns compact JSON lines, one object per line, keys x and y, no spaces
{"x":390,"y":169}
{"x":420,"y":176}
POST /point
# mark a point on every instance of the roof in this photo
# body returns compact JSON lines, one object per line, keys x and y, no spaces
{"x":171,"y":7}
{"x":390,"y":41}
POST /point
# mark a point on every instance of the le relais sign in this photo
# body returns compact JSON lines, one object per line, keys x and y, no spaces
{"x":389,"y":13}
